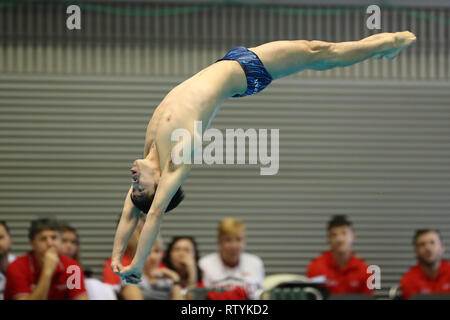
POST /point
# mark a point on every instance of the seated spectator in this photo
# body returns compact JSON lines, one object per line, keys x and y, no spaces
{"x":231,"y":268}
{"x":125,"y":291}
{"x":70,"y":242}
{"x":431,"y":274}
{"x":343,"y":271}
{"x":70,"y":247}
{"x":182,"y":256}
{"x":42,"y":273}
{"x":159,"y":282}
{"x":5,"y":256}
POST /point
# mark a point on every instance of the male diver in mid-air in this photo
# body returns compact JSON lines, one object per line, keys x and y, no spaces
{"x":156,"y":179}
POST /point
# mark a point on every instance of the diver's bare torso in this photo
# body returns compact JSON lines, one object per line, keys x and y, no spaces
{"x":156,"y":180}
{"x":197,"y":99}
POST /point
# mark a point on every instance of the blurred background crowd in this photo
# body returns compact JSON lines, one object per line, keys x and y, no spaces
{"x":178,"y":271}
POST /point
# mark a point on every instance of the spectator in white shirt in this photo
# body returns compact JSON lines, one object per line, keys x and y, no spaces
{"x":231,"y":268}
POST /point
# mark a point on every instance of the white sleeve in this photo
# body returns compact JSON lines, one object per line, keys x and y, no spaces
{"x":204,"y":279}
{"x":263,"y":274}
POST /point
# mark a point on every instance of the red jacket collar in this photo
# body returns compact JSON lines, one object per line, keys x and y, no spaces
{"x":443,"y":266}
{"x":329,"y":258}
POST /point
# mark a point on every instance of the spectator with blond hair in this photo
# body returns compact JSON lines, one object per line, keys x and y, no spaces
{"x":231,"y":269}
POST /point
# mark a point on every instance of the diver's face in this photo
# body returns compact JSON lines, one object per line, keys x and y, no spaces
{"x":142,"y":177}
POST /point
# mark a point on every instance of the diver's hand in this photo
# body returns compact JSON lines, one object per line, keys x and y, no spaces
{"x":404,"y":39}
{"x":131,"y":274}
{"x":116,"y":266}
{"x":399,"y":40}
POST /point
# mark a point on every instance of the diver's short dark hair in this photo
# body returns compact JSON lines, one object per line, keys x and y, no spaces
{"x":339,"y":221}
{"x":143,"y":202}
{"x":42,"y":225}
{"x":420,"y":232}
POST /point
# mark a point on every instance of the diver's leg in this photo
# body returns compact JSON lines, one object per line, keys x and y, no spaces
{"x":286,"y":57}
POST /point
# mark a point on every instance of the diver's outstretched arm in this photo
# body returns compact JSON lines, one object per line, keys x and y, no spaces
{"x":171,"y":179}
{"x":128,"y":222}
{"x":286,"y":57}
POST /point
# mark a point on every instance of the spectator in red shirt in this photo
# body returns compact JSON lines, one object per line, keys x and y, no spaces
{"x":344,"y":272}
{"x":70,"y":247}
{"x":431,"y":274}
{"x":43,"y":273}
{"x":70,"y":242}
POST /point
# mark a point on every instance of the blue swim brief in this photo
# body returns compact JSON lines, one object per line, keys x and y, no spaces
{"x":257,"y":76}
